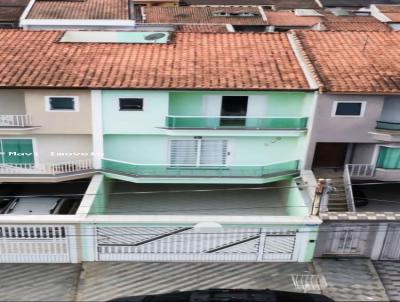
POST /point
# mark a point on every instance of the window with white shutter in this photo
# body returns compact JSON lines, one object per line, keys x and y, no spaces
{"x":213,"y":152}
{"x":184,"y":152}
{"x":198,"y":152}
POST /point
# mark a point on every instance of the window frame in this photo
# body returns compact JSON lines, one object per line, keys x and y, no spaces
{"x":125,"y":98}
{"x":75,"y":100}
{"x":362,"y":109}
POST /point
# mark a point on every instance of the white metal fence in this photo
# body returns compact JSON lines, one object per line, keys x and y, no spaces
{"x":37,"y":243}
{"x":16,"y":121}
{"x":361,"y":170}
{"x":48,"y":168}
{"x":189,"y":244}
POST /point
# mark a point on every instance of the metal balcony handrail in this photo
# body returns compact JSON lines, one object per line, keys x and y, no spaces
{"x":194,"y":166}
{"x":235,"y":116}
{"x":348,"y":189}
{"x":47,"y":168}
{"x":12,"y":120}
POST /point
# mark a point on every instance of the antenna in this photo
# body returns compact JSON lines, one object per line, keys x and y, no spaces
{"x":365,"y":44}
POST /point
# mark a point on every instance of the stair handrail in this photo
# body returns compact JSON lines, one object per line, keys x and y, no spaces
{"x":348,"y":189}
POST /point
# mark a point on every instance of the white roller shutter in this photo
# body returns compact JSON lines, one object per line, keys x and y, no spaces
{"x":213,"y":152}
{"x":184,"y":152}
{"x":198,"y":152}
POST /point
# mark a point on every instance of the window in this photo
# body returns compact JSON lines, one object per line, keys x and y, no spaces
{"x":130,"y":104}
{"x":348,"y":109}
{"x":232,"y":108}
{"x":389,"y":158}
{"x":198,"y":152}
{"x":62,"y":103}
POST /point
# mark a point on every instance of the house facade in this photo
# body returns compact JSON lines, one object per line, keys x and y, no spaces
{"x":354,"y":142}
{"x":45,"y":134}
{"x":191,"y":165}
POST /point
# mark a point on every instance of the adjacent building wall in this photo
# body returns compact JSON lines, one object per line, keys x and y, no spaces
{"x":12,"y":102}
{"x":61,"y":148}
{"x":328,"y":128}
{"x":59,"y":122}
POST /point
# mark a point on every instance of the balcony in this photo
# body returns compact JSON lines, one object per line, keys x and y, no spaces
{"x":11,"y":121}
{"x":387,"y":131}
{"x":391,"y":126}
{"x":140,"y":170}
{"x":236,"y":122}
{"x":48,"y":169}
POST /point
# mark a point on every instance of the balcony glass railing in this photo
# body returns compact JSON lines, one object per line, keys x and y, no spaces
{"x":241,"y":122}
{"x":200,"y":171}
{"x":388,"y":125}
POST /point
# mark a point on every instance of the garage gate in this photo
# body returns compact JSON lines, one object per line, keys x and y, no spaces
{"x":190,"y":244}
{"x":36,"y":243}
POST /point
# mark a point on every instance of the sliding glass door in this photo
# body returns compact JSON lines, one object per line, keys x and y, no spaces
{"x":389,"y":158}
{"x":16,"y":151}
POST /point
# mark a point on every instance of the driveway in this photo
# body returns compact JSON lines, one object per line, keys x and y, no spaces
{"x":106,"y":280}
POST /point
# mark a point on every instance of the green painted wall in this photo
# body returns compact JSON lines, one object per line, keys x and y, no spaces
{"x":294,"y":201}
{"x":146,"y":149}
{"x":102,"y":197}
{"x":277,"y":103}
{"x":155,"y":110}
{"x":158,"y":104}
{"x":312,"y":241}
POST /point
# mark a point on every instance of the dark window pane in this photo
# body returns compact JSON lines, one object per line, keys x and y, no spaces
{"x":131,"y":104}
{"x":233,"y":106}
{"x":62,"y":104}
{"x":348,"y":109}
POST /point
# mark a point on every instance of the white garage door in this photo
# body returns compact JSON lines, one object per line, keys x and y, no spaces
{"x":189,"y":244}
{"x":35,"y":243}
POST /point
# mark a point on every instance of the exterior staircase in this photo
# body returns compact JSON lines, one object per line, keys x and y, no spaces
{"x":337,"y":200}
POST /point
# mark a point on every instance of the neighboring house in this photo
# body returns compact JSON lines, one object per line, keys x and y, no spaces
{"x":355,"y":138}
{"x":389,"y":14}
{"x":45,"y":134}
{"x":258,"y":19}
{"x":354,"y":4}
{"x":198,"y":142}
{"x":268,"y":4}
{"x":85,"y":14}
{"x":281,"y":21}
{"x":322,"y":20}
{"x":10,"y":12}
{"x":233,"y":18}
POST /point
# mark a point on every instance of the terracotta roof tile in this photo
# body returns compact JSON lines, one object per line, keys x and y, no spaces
{"x":252,"y":61}
{"x":356,"y":26}
{"x":390,"y":11}
{"x":87,"y":9}
{"x":9,"y":13}
{"x":205,"y":15}
{"x":286,"y":18}
{"x":11,"y":10}
{"x":354,"y":62}
{"x":201,"y":28}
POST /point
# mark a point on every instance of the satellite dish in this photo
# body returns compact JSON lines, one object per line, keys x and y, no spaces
{"x":153,"y":37}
